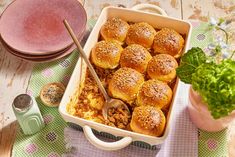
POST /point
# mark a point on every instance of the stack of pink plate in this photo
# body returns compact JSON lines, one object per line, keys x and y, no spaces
{"x":33,"y":29}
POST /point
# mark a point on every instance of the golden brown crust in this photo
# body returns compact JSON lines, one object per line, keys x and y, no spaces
{"x":168,"y":41}
{"x":125,"y":84}
{"x":114,"y":29}
{"x":162,"y":67}
{"x":148,"y":120}
{"x":154,"y":93}
{"x":141,"y":33}
{"x":106,"y":54}
{"x":149,"y":101}
{"x":136,"y":57}
{"x":52,"y":93}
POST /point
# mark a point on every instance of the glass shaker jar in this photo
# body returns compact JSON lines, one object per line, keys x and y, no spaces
{"x":28,"y":114}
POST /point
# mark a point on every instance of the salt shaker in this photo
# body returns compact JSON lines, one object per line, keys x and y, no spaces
{"x":28,"y":114}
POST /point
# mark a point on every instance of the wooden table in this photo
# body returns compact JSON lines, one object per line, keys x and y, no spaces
{"x":15,"y":73}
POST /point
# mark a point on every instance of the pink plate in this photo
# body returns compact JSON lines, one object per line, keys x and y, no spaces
{"x":36,"y":26}
{"x":34,"y":56}
{"x":40,"y":57}
{"x":42,"y":60}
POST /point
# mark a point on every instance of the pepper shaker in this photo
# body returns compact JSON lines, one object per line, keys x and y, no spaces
{"x":28,"y":114}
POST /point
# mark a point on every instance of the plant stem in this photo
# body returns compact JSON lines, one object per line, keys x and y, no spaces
{"x":232,"y":55}
{"x":226,"y":34}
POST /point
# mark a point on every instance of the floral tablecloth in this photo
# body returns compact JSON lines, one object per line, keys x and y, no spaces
{"x":50,"y":141}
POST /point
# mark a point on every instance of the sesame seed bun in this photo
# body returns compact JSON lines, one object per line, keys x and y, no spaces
{"x":148,"y":120}
{"x":154,"y":93}
{"x":168,"y":41}
{"x":162,"y":67}
{"x":52,"y":93}
{"x":114,"y":29}
{"x":136,"y":57}
{"x":125,"y":84}
{"x":141,"y":33}
{"x":106,"y":54}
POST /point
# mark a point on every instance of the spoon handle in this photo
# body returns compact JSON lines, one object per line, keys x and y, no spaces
{"x":101,"y":87}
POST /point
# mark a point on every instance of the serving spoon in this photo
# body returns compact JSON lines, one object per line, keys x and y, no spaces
{"x":109,"y":102}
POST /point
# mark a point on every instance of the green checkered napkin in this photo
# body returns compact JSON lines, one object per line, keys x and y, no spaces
{"x":50,"y":141}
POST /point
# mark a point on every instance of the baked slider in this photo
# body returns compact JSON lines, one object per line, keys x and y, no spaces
{"x":106,"y":54}
{"x":154,"y":93}
{"x":141,"y":33}
{"x":162,"y":67}
{"x":168,"y":41}
{"x":125,"y":84}
{"x":148,"y":120}
{"x":115,"y":29}
{"x":136,"y":57}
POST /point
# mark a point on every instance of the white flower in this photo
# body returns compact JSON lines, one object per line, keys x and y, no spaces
{"x":219,"y":39}
{"x":211,"y":46}
{"x":221,"y":42}
{"x":213,"y":21}
{"x":220,"y":49}
{"x":220,"y":46}
{"x":225,"y":54}
{"x":223,"y":45}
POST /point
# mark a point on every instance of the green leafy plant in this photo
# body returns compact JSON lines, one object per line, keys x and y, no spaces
{"x":214,"y":82}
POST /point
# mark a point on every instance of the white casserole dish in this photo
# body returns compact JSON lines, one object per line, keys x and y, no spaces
{"x":78,"y":76}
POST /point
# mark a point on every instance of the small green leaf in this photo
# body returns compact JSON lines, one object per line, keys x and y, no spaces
{"x":221,"y":20}
{"x":189,"y":62}
{"x":218,"y":49}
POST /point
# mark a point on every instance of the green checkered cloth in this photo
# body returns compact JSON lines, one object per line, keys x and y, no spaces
{"x":50,"y":140}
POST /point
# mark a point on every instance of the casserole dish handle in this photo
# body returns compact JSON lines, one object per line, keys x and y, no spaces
{"x":149,"y":8}
{"x":105,"y":145}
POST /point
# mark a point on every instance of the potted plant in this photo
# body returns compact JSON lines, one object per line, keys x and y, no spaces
{"x":212,"y":92}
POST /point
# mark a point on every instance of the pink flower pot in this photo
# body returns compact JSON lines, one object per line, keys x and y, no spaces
{"x":201,"y":116}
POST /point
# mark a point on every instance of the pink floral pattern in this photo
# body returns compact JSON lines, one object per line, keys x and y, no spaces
{"x":48,"y":118}
{"x":47,"y":72}
{"x":31,"y":148}
{"x":212,"y":144}
{"x":195,"y":24}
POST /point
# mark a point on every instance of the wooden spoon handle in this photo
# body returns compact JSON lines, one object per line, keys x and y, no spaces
{"x":101,"y":87}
